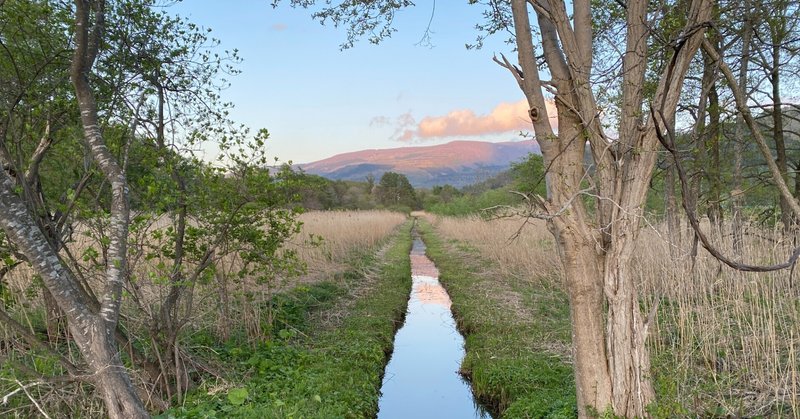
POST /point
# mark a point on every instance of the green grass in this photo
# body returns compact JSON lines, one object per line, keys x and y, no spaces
{"x":509,"y":324}
{"x":307,"y":371}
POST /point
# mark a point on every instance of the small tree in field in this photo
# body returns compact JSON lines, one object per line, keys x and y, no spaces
{"x":612,"y":365}
{"x":101,"y":199}
{"x":394,"y":189}
{"x":92,"y":322}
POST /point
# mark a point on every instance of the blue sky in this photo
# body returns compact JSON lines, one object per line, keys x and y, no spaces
{"x":318,"y":101}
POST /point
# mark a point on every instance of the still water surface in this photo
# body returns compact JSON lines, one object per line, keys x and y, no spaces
{"x":421,"y":379}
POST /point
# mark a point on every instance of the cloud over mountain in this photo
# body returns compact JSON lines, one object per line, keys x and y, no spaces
{"x":505,"y":117}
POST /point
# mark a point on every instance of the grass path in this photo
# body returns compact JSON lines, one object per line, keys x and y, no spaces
{"x":328,"y":350}
{"x":517,"y":333}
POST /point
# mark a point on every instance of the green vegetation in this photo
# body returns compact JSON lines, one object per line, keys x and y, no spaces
{"x":523,"y":178}
{"x":309,"y":368}
{"x":394,"y":190}
{"x":512,"y":327}
{"x":313,"y":192}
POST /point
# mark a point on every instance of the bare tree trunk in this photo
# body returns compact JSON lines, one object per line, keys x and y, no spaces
{"x":612,"y":366}
{"x":54,"y":317}
{"x":777,"y":136}
{"x":224,"y":320}
{"x":90,"y":330}
{"x":713,"y":173}
{"x":586,"y":301}
{"x":111,"y":377}
{"x":737,"y":195}
{"x":700,"y":154}
{"x":673,"y":219}
{"x":712,"y":136}
{"x":583,"y":267}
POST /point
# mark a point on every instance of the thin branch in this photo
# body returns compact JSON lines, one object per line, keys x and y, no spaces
{"x":668,"y":141}
{"x":515,"y":71}
{"x":36,"y":342}
{"x":741,"y":104}
{"x":35,"y":403}
{"x":425,"y":40}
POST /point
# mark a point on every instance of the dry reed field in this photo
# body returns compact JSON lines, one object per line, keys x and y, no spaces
{"x":227,"y":300}
{"x":726,"y":342}
{"x":507,"y":244}
{"x":342,"y":232}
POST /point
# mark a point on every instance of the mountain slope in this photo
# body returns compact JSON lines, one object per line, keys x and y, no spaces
{"x":458,"y":163}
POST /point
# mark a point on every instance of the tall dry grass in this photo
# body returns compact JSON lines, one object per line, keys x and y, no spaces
{"x":518,"y":248}
{"x":221,"y":303}
{"x":342,"y":233}
{"x":726,"y":341}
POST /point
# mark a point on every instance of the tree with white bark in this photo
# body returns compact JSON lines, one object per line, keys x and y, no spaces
{"x":103,"y":99}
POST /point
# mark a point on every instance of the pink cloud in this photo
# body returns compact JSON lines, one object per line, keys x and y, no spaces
{"x":505,"y":117}
{"x":279,"y":27}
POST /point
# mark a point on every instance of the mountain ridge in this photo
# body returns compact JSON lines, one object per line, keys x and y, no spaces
{"x":458,"y":163}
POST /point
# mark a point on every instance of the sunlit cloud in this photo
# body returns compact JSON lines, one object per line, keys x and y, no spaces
{"x":505,"y":117}
{"x":279,"y":27}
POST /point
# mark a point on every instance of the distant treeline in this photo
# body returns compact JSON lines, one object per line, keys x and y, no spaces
{"x":394,"y":191}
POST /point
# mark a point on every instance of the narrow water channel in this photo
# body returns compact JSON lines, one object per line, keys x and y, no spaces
{"x":421,"y":379}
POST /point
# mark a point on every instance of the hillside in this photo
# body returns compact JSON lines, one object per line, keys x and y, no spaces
{"x":458,"y":163}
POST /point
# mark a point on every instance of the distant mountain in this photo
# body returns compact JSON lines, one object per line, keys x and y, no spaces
{"x":458,"y":163}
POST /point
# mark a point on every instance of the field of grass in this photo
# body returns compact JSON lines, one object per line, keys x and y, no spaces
{"x":517,"y":330}
{"x":342,"y":232}
{"x":726,"y":342}
{"x":315,"y":345}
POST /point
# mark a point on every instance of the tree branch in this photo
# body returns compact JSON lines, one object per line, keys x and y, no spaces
{"x":741,"y":105}
{"x":668,"y":141}
{"x":38,"y":155}
{"x":36,"y":342}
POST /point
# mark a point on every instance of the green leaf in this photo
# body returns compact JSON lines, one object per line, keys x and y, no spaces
{"x":237,"y":396}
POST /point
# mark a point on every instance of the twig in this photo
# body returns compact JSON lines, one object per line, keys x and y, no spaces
{"x":35,"y":403}
{"x":24,"y":388}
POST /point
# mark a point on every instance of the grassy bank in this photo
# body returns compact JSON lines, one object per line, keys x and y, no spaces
{"x":517,"y":333}
{"x":329,"y":346}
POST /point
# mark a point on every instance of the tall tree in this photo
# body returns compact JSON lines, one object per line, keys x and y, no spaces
{"x":737,"y":222}
{"x":92,"y":326}
{"x":394,"y":189}
{"x":776,"y":46}
{"x":611,"y":359}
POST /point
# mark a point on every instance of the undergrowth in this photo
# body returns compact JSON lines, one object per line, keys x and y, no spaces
{"x":304,"y":371}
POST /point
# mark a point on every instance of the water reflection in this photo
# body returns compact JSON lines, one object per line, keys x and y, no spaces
{"x":421,"y":379}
